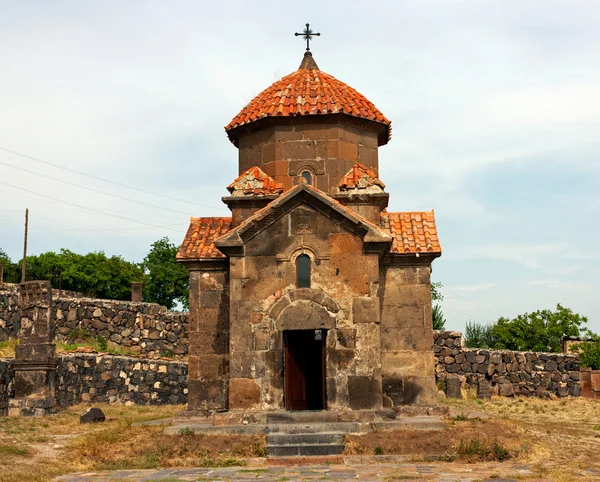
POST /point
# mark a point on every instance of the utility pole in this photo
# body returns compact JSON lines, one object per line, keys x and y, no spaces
{"x":25,"y":246}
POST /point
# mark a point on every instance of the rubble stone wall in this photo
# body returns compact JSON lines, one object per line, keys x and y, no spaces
{"x":120,"y":379}
{"x":82,"y":377}
{"x":146,"y":328}
{"x":508,"y":372}
{"x":6,"y":385}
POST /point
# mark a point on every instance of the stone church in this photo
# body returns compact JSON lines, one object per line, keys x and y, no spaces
{"x":311,"y":295}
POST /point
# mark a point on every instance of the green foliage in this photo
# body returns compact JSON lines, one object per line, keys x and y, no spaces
{"x":439,"y":322}
{"x":166,"y":280}
{"x":93,"y":274}
{"x":436,"y":293}
{"x":541,"y":330}
{"x":538,"y":331}
{"x":11,"y":270}
{"x":479,"y":335}
{"x":589,"y":354}
{"x":102,"y":343}
{"x":378,"y":450}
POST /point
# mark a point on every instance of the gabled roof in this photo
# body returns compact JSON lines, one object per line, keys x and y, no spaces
{"x":309,"y":91}
{"x":256,"y":182}
{"x":302,"y":193}
{"x":360,"y":177}
{"x":414,"y":232}
{"x":199,"y":239}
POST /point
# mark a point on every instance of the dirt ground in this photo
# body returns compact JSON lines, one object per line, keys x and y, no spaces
{"x":554,"y":437}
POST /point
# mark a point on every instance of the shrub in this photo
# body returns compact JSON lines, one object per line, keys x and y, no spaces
{"x":102,"y":344}
{"x":589,"y":354}
{"x":475,"y":449}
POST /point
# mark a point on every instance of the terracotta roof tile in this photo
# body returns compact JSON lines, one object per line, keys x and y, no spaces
{"x":198,"y":241}
{"x":359,"y":177}
{"x":414,"y":232}
{"x":308,"y":91}
{"x":254,"y":181}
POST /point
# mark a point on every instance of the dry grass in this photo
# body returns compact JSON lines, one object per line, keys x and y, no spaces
{"x":38,"y":449}
{"x":553,"y":437}
{"x":461,"y":440}
{"x":561,"y":432}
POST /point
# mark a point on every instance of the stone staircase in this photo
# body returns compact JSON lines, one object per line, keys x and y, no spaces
{"x":306,"y":433}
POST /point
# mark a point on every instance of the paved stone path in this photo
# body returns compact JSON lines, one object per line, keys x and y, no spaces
{"x":439,"y":472}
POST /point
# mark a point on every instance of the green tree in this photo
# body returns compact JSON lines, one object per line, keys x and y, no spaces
{"x":93,"y":274}
{"x":479,"y":335}
{"x":167,"y":281}
{"x":439,"y":322}
{"x":11,"y":269}
{"x":589,"y":354}
{"x":539,"y":331}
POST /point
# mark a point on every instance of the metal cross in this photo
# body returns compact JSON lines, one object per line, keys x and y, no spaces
{"x":307,"y":34}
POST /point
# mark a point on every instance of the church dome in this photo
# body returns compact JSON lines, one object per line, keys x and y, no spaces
{"x":307,"y":92}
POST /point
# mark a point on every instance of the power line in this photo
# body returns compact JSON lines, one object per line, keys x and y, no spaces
{"x":107,"y":180}
{"x":94,"y":190}
{"x":84,"y":207}
{"x":483,"y":308}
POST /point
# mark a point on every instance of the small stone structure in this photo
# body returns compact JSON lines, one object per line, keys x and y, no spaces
{"x":507,"y":373}
{"x":311,"y":296}
{"x":35,"y":359}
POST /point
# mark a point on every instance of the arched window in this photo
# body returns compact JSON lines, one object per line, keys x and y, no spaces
{"x":307,"y":176}
{"x":303,"y":271}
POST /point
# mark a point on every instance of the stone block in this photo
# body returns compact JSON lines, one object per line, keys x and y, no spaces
{"x":453,"y":388}
{"x":244,"y":393}
{"x":407,"y":363}
{"x":92,"y":415}
{"x":208,"y":366}
{"x":364,"y":392}
{"x":365,"y":309}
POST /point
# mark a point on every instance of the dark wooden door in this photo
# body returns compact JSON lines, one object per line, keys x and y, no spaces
{"x":304,"y":370}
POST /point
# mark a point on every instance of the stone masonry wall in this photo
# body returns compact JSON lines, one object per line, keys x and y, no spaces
{"x":146,"y":328}
{"x":6,"y":385}
{"x":95,"y":378}
{"x":120,"y":379}
{"x":508,"y":373}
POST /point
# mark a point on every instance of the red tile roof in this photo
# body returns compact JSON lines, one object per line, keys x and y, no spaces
{"x":414,"y":232}
{"x":308,"y":91}
{"x":198,"y":241}
{"x":359,"y":177}
{"x":254,"y":182}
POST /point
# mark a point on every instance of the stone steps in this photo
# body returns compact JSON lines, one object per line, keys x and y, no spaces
{"x":310,"y":433}
{"x":305,"y":438}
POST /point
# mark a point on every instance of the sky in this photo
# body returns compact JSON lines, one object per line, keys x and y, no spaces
{"x":495,"y":108}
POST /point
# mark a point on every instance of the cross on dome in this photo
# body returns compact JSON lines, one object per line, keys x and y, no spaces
{"x":307,"y":33}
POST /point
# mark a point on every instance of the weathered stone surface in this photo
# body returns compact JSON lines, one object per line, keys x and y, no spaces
{"x":244,"y":393}
{"x":365,"y":310}
{"x":453,"y":387}
{"x":92,"y":415}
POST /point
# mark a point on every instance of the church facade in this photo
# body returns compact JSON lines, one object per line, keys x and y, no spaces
{"x":311,"y":295}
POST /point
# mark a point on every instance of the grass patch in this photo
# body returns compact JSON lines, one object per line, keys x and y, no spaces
{"x":7,"y":348}
{"x":473,"y":450}
{"x":13,"y":451}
